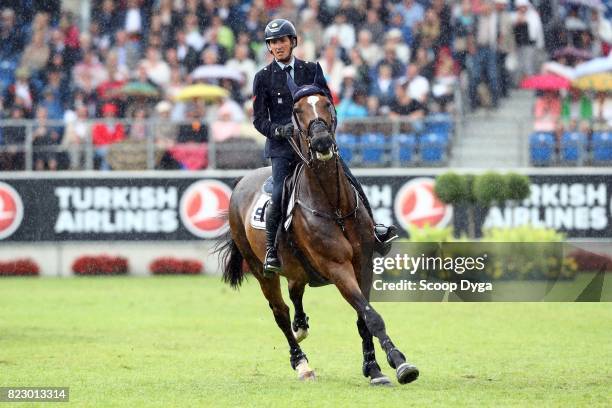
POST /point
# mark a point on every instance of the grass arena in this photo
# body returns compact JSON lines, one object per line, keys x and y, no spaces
{"x":192,"y":341}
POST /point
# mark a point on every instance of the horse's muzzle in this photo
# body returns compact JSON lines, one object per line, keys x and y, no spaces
{"x":322,"y":146}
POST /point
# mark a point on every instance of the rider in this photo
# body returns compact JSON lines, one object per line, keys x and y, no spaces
{"x":273,"y":107}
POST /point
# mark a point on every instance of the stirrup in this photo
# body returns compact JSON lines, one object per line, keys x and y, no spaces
{"x":385,"y":234}
{"x":271,"y":268}
{"x":384,"y":238}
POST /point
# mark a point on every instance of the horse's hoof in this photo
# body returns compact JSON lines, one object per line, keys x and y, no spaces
{"x":307,"y":376}
{"x":381,"y":381}
{"x":407,"y":373}
{"x":300,"y":334}
{"x":305,"y":373}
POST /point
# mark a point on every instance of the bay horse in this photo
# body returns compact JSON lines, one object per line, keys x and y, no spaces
{"x":330,"y":233}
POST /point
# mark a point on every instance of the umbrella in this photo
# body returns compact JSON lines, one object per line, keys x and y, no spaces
{"x":545,"y":82}
{"x":137,"y":88}
{"x":595,"y":82}
{"x":594,"y":4}
{"x":201,"y":91}
{"x":573,"y":52}
{"x":594,"y":66}
{"x":216,"y":72}
{"x":553,"y":67}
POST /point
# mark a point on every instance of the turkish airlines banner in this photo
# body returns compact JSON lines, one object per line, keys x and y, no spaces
{"x":131,"y":209}
{"x":114,"y":209}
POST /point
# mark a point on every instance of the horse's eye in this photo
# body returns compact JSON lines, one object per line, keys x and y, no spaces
{"x":298,"y":111}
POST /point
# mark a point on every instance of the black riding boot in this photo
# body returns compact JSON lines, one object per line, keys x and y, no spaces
{"x":272,"y":264}
{"x":384,"y":235}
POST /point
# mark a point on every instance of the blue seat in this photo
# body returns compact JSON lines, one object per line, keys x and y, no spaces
{"x":602,"y":147}
{"x":406,"y":147}
{"x":440,"y":125}
{"x":541,"y":148}
{"x":573,"y":147}
{"x":347,"y":145}
{"x":433,"y":149}
{"x":373,"y":146}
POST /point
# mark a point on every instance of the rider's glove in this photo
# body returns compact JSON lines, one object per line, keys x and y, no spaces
{"x":283,"y":131}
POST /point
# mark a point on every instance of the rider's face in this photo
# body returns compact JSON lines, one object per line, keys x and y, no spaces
{"x":281,"y":48}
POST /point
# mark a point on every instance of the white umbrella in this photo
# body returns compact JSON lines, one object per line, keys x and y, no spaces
{"x":553,"y":67}
{"x":594,"y":66}
{"x":216,"y":72}
{"x":594,"y":4}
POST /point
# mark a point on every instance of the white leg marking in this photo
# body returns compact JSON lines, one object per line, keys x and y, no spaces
{"x":304,"y":372}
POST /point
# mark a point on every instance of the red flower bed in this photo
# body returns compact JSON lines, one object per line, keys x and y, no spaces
{"x":174,"y":266}
{"x":100,"y":265}
{"x":591,"y":262}
{"x":19,"y":267}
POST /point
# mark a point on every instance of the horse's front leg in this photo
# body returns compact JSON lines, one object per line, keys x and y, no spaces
{"x":344,"y":279}
{"x":300,"y":320}
{"x":272,"y":292}
{"x":370,"y":366}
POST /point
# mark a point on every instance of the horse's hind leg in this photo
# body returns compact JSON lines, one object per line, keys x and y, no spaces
{"x":300,"y":320}
{"x":349,"y":289}
{"x":272,"y":292}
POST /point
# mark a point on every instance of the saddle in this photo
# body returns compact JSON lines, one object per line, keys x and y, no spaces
{"x":258,"y":219}
{"x":258,"y":215}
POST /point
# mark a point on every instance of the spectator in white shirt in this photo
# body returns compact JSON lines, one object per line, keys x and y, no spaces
{"x":244,"y":64}
{"x":157,"y":70}
{"x":133,"y":18}
{"x":333,"y":67}
{"x":344,"y":32}
{"x":369,"y":51}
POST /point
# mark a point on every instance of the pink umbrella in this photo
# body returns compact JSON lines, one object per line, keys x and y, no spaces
{"x":545,"y":82}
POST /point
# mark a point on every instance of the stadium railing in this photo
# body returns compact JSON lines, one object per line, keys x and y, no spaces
{"x":365,"y":142}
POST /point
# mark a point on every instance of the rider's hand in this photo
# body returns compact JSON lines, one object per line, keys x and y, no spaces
{"x":283,"y":131}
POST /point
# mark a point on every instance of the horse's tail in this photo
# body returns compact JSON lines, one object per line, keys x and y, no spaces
{"x":231,"y":260}
{"x":230,"y":256}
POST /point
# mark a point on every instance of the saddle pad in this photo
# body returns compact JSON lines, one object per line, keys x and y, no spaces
{"x":258,"y":220}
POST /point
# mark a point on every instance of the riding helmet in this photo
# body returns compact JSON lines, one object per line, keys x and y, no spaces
{"x":278,"y":28}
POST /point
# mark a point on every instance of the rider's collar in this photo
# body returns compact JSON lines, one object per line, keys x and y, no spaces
{"x":291,"y":64}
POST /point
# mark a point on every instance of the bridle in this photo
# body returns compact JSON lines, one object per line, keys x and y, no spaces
{"x":337,"y":216}
{"x":307,"y":134}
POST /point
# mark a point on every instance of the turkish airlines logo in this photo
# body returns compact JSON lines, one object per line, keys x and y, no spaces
{"x":11,"y":210}
{"x":417,"y":205}
{"x":203,"y":207}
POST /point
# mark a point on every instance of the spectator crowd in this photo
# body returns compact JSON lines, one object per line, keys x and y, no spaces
{"x":389,"y":58}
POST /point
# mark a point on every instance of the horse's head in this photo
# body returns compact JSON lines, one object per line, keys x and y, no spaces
{"x":315,"y":117}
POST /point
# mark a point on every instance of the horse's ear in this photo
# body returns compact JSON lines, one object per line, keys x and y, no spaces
{"x":316,"y":78}
{"x":292,"y":86}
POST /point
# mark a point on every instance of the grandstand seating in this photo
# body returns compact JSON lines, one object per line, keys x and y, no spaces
{"x":602,"y":147}
{"x":406,"y":148}
{"x":541,"y":148}
{"x":376,"y":149}
{"x":373,"y":146}
{"x":433,"y":149}
{"x":573,"y":148}
{"x":347,"y":146}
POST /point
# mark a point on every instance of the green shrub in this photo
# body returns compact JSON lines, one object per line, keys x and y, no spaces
{"x":490,"y":187}
{"x":517,"y":187}
{"x":451,"y":188}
